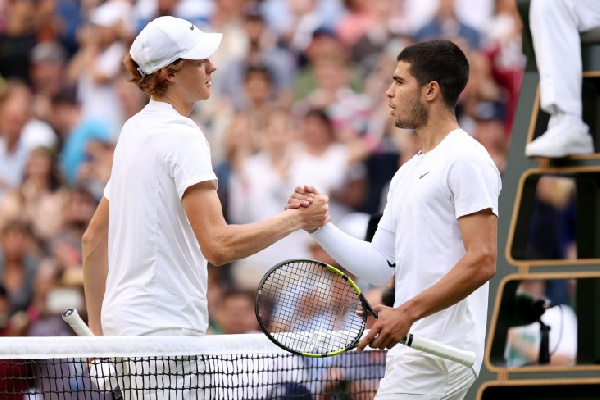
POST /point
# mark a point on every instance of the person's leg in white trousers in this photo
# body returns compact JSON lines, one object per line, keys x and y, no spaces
{"x":555,"y":29}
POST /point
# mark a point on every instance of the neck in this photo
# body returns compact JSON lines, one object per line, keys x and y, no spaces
{"x":436,"y":130}
{"x":179,"y":105}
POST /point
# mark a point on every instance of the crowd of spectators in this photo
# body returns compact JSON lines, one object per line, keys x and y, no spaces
{"x":298,"y":98}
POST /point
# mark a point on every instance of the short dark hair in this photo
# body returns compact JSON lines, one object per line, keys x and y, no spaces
{"x":441,"y":61}
{"x":260,"y":69}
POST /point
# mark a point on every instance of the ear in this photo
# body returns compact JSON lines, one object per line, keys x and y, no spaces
{"x":166,"y":75}
{"x":432,"y":91}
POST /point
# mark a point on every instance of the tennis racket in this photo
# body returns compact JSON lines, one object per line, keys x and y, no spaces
{"x":310,"y":308}
{"x":102,"y":373}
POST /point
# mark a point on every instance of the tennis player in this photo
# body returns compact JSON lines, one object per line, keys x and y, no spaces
{"x":160,"y":221}
{"x":437,"y":233}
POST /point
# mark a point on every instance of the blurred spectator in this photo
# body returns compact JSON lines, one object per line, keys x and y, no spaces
{"x":19,"y":133}
{"x":75,"y":130}
{"x":325,"y":162}
{"x":95,"y":170}
{"x":56,"y":290}
{"x":259,"y":190}
{"x":552,"y":234}
{"x":446,"y":24}
{"x":358,"y":20}
{"x":215,"y":290}
{"x":261,"y":49}
{"x":324,"y":44}
{"x":195,"y":11}
{"x":304,"y":19}
{"x":348,"y":109}
{"x":24,"y":18}
{"x":283,"y":15}
{"x":65,"y":245}
{"x":227,"y":18}
{"x":523,"y":344}
{"x":98,"y":62}
{"x":38,"y":199}
{"x":474,"y":13}
{"x":258,"y":96}
{"x":383,"y":33}
{"x":502,"y":45}
{"x":555,"y":27}
{"x":69,"y":17}
{"x":18,"y":265}
{"x":235,"y":312}
{"x":240,"y":141}
{"x":48,"y":61}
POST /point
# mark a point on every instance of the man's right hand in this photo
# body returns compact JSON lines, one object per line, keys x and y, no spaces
{"x":316,"y":215}
{"x":303,"y":196}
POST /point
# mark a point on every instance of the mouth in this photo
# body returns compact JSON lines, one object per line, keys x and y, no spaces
{"x":208,"y":83}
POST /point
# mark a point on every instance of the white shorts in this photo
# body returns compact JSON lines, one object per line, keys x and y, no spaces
{"x":418,"y":376}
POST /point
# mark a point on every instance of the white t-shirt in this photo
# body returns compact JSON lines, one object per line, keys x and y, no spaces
{"x":427,"y":196}
{"x":157,"y":277}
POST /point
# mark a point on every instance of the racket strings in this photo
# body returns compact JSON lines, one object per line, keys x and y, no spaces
{"x":310,"y":309}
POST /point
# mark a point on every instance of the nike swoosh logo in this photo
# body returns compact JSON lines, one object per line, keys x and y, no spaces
{"x":424,"y":174}
{"x":390,"y":264}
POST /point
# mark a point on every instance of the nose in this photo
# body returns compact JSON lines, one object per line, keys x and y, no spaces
{"x":210,"y":67}
{"x":389,"y":92}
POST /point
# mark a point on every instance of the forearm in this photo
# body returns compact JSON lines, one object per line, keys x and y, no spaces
{"x":470,"y":273}
{"x":233,"y":242}
{"x":357,"y":256}
{"x":95,"y":271}
{"x":95,"y":265}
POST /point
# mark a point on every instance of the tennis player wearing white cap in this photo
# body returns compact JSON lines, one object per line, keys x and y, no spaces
{"x":146,"y":249}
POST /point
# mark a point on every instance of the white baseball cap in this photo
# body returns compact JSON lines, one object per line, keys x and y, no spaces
{"x":166,"y":39}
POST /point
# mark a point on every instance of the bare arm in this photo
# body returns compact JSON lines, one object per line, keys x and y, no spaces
{"x":476,"y":267}
{"x":95,"y":264}
{"x":222,"y":243}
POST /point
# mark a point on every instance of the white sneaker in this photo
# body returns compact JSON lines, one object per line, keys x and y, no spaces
{"x":567,"y":135}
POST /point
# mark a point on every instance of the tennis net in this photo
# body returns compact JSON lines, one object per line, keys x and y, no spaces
{"x":155,"y":367}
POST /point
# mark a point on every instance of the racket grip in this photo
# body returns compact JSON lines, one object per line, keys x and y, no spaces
{"x":102,"y":374}
{"x":465,"y":357}
{"x":72,"y":317}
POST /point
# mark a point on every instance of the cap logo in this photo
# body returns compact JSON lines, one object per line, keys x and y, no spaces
{"x":192,"y":27}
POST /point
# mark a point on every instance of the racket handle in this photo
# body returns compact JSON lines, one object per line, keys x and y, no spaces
{"x":102,"y":374}
{"x":72,"y":317}
{"x":465,"y":357}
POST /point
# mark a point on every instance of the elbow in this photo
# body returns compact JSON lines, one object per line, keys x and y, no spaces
{"x":487,"y":268}
{"x":216,"y":256}
{"x":89,"y":236}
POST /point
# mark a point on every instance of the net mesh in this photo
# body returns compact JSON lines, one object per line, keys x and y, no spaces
{"x":306,"y":297}
{"x":211,"y":367}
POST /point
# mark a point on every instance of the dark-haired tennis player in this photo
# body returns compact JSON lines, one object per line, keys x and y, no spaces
{"x":437,"y":233}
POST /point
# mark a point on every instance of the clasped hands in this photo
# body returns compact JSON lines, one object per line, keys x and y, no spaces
{"x":313,"y":206}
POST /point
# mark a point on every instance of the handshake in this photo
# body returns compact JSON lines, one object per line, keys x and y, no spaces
{"x":309,"y":208}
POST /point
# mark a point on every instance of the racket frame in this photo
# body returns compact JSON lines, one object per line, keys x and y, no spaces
{"x":367,"y":309}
